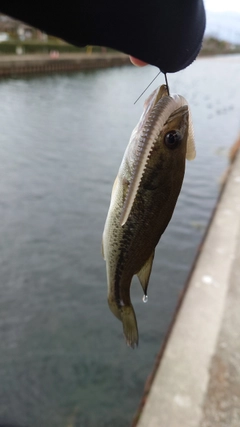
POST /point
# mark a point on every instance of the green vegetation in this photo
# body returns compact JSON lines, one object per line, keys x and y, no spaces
{"x":38,"y":46}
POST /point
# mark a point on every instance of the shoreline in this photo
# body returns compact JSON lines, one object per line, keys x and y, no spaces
{"x":11,"y":65}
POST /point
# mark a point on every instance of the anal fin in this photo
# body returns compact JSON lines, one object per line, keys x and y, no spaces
{"x":144,"y":273}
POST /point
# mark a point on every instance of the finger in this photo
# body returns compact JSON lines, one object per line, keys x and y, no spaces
{"x":137,"y":62}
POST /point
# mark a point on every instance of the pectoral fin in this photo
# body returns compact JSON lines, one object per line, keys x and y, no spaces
{"x":144,"y":273}
{"x":191,"y":150}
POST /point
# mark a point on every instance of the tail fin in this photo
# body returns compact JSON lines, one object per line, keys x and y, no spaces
{"x":130,"y":328}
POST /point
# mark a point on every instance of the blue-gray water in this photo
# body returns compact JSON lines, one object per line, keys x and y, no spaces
{"x":63,"y":359}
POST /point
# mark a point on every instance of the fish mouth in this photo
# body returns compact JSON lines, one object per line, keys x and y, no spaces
{"x":161,"y":92}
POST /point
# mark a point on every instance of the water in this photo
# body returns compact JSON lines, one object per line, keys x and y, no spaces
{"x":63,"y":360}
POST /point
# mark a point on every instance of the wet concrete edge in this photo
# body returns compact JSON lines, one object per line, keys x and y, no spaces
{"x":233,"y":155}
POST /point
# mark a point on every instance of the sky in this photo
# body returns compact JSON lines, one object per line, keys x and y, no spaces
{"x":226,"y":25}
{"x":222,"y":5}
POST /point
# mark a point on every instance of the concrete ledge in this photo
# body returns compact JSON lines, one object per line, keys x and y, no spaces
{"x":183,"y":393}
{"x":43,"y":63}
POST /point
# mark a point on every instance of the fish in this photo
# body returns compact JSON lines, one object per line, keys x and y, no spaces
{"x":143,"y":199}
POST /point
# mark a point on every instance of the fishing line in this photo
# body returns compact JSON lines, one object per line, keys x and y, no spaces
{"x":150,"y":85}
{"x":166,"y":81}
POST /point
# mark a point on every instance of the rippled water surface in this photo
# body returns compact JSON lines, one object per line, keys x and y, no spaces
{"x":63,"y":360}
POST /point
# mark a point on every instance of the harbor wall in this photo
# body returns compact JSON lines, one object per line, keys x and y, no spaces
{"x":43,"y":63}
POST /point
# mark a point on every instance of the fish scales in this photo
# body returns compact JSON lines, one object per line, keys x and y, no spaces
{"x":143,"y":199}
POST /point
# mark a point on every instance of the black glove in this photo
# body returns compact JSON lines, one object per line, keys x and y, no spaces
{"x":165,"y":33}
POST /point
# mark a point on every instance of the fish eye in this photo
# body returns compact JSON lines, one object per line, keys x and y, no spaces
{"x":172,"y":139}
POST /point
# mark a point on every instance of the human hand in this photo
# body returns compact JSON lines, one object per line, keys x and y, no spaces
{"x":137,"y":62}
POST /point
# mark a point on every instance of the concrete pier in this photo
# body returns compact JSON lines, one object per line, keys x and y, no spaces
{"x":43,"y":63}
{"x":197,"y":382}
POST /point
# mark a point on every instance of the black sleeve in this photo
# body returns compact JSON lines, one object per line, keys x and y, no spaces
{"x":165,"y":33}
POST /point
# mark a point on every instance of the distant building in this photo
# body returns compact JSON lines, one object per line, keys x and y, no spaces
{"x":18,"y":29}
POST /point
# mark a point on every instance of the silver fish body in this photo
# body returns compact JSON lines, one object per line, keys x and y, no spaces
{"x":143,"y":199}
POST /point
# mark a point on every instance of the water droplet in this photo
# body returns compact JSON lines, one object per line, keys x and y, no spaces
{"x":145,"y":298}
